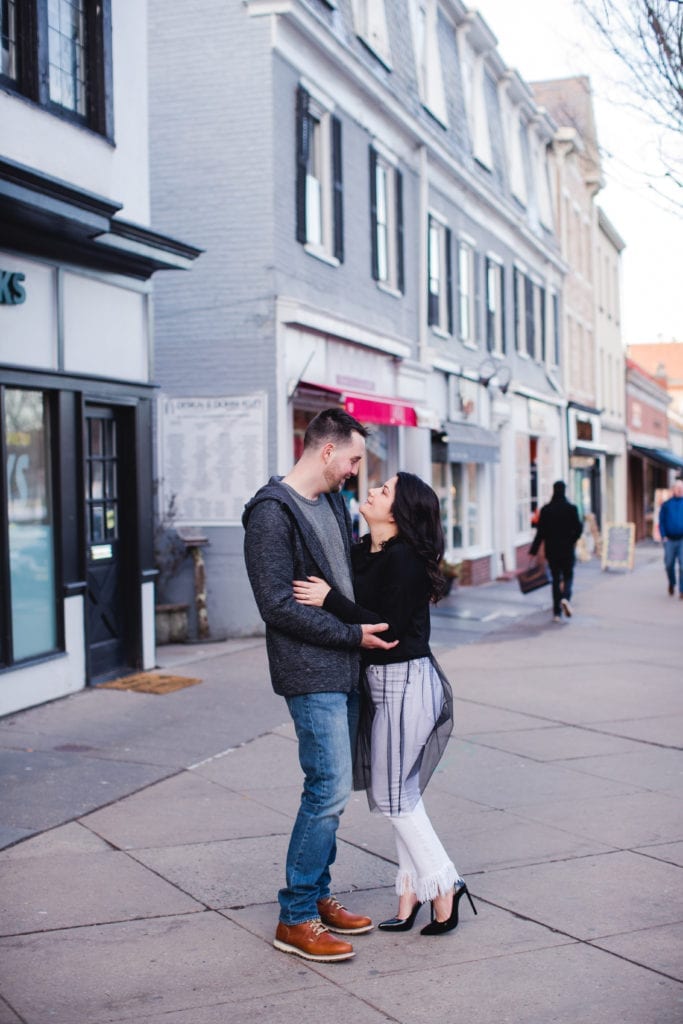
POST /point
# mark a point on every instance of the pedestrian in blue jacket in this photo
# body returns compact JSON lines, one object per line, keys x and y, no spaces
{"x":671,"y":532}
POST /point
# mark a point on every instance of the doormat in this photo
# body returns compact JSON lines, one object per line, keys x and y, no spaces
{"x":150,"y":682}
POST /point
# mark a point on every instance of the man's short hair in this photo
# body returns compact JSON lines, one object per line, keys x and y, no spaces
{"x":333,"y":425}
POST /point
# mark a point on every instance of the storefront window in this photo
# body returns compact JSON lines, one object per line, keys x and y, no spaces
{"x":377,"y":455}
{"x":522,"y":483}
{"x":472,"y":476}
{"x":457,"y":487}
{"x":30,"y":526}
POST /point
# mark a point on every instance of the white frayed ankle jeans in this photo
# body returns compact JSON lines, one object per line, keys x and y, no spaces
{"x":424,"y":867}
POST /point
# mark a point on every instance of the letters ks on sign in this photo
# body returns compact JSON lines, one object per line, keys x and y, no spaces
{"x":12,"y":291}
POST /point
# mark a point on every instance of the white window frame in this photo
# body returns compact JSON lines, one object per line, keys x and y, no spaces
{"x":370,"y":23}
{"x":519,"y":298}
{"x":437,"y":269}
{"x":539,"y":161}
{"x":466,"y":292}
{"x":387,"y":228}
{"x":319,"y":198}
{"x":474,"y":82}
{"x":424,"y":18}
{"x":494,"y":269}
{"x":518,"y":185}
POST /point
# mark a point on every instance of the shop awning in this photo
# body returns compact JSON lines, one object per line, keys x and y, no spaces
{"x":380,"y":410}
{"x":467,"y":442}
{"x":370,"y":409}
{"x":661,"y":455}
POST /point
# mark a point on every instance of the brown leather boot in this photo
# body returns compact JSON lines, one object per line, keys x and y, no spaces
{"x":312,"y":941}
{"x":339,"y":919}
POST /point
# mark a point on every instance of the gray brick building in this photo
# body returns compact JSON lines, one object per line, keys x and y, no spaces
{"x":369,"y":184}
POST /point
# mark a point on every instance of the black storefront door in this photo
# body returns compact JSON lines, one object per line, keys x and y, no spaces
{"x":107,"y":509}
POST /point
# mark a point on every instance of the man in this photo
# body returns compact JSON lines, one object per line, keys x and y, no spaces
{"x":671,"y":532}
{"x":298,"y":526}
{"x":559,"y":528}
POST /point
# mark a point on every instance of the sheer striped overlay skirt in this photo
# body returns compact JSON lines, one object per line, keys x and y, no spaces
{"x":410,"y":720}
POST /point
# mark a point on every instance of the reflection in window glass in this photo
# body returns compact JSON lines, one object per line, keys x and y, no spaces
{"x":8,"y":38}
{"x":66,"y":51}
{"x":31,"y":532}
{"x":472,"y":470}
{"x":377,"y":456}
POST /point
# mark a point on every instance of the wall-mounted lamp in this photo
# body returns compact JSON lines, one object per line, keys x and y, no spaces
{"x":486,"y":371}
{"x":503,"y":379}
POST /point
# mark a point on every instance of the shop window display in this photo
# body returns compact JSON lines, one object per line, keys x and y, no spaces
{"x":30,"y":536}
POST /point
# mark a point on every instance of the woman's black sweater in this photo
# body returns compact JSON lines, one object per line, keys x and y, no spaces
{"x":390,"y":586}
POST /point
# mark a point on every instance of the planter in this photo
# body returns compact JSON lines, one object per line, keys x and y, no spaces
{"x":171,"y":623}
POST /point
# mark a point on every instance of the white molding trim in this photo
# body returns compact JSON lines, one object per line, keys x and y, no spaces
{"x":293,"y":313}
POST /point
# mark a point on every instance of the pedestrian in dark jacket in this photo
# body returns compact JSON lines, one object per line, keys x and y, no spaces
{"x":671,"y":532}
{"x":559,"y":528}
{"x":297,"y":526}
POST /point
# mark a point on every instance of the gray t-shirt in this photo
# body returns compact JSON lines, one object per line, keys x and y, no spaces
{"x":322,"y":519}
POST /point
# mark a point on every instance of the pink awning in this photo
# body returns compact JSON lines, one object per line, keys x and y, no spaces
{"x":375,"y":410}
{"x":369,"y":409}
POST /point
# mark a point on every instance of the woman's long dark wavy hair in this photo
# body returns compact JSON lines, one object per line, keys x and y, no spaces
{"x":418,"y":518}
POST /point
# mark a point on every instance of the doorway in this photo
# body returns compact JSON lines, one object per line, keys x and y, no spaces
{"x":110,"y":534}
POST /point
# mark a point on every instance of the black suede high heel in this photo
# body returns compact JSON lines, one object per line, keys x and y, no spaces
{"x":400,"y":924}
{"x":440,"y":927}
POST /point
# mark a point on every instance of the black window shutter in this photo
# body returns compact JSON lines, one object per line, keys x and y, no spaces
{"x":400,"y":270}
{"x":529,"y":314}
{"x":432,"y":300}
{"x":337,"y":196}
{"x":515,"y":299}
{"x":459,"y":290}
{"x":544,"y":338}
{"x":556,"y":328}
{"x":490,"y":325}
{"x":449,"y":280}
{"x":477,"y":267}
{"x":503,"y":331}
{"x":373,"y":214}
{"x":302,"y":144}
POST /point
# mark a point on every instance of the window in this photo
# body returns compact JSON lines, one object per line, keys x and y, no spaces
{"x":457,"y":485}
{"x":8,"y":38}
{"x":474,"y":86}
{"x":466,"y":302}
{"x":370,"y":20}
{"x":495,"y":306}
{"x":515,"y":139}
{"x":27,"y":594}
{"x":424,"y":17}
{"x":386,"y":222}
{"x":319,"y":212}
{"x":542,"y":183}
{"x":58,"y":54}
{"x":522,"y":483}
{"x":439,"y":273}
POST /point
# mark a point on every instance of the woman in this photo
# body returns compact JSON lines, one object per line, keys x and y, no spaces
{"x":410,"y":707}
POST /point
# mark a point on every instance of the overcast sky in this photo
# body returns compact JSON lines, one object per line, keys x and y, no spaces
{"x":550,"y":39}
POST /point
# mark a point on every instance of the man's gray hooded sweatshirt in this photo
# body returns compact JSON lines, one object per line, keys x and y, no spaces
{"x":309,"y":650}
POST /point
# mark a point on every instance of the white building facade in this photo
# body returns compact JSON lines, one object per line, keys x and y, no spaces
{"x":76,"y":257}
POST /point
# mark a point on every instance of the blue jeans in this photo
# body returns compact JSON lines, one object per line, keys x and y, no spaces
{"x":325,"y":726}
{"x":673,"y":551}
{"x":562,"y":572}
